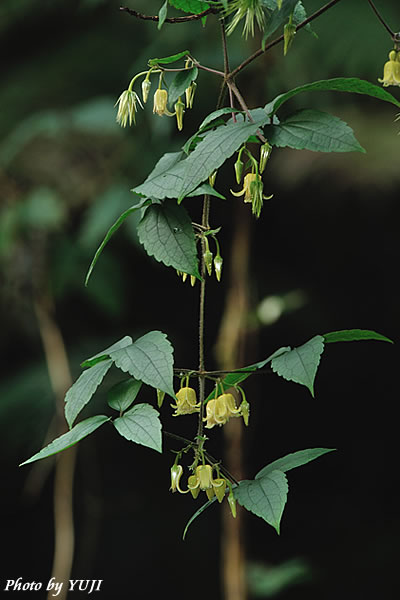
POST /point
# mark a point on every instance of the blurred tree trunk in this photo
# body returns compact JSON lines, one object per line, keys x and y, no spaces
{"x":230,"y":352}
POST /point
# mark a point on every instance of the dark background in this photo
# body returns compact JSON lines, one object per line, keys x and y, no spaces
{"x":328,"y":239}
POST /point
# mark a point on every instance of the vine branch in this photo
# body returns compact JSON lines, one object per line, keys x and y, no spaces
{"x":173,"y":20}
{"x":261,"y":51}
{"x":381,"y":19}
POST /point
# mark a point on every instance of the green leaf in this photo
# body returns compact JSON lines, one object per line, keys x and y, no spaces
{"x":313,"y":130}
{"x":339,"y":84}
{"x":265,"y":496}
{"x":354,"y":335}
{"x":278,"y":18}
{"x":162,"y":15}
{"x":197,"y":514}
{"x":216,"y":114}
{"x":121,"y":395}
{"x":243,"y":373}
{"x":141,"y":424}
{"x":300,"y":364}
{"x":208,"y":155}
{"x":72,"y":437}
{"x":110,"y":232}
{"x":167,"y":59}
{"x":294,"y":460}
{"x":191,"y":6}
{"x":205,"y":188}
{"x":182,"y":81}
{"x":80,"y":393}
{"x":166,"y":233}
{"x":149,"y":359}
{"x":105,"y":354}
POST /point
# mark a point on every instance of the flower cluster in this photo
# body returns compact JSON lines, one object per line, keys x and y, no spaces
{"x":203,"y":480}
{"x":253,"y":187}
{"x":128,"y":100}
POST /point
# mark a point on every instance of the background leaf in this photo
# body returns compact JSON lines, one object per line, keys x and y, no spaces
{"x":148,"y":359}
{"x":141,"y":424}
{"x":75,"y":435}
{"x":265,"y":496}
{"x":300,"y":364}
{"x":293,"y":460}
{"x":166,"y":233}
{"x":121,"y":395}
{"x":354,"y":335}
{"x":338,"y":84}
{"x":313,"y":130}
{"x":80,"y":393}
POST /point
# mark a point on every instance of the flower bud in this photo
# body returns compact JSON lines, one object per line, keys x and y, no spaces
{"x":208,"y":260}
{"x":179,"y":111}
{"x":212,"y":178}
{"x":160,"y":398}
{"x":192,"y":280}
{"x":239,"y":170}
{"x":189,"y":94}
{"x":232,"y":504}
{"x":245,"y":411}
{"x":265,"y":153}
{"x":289,"y":31}
{"x":146,"y":85}
{"x":218,"y":266}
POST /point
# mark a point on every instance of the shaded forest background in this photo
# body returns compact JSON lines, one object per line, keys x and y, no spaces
{"x":325,"y":256}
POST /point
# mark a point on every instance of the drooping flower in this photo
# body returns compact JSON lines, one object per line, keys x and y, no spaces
{"x":250,"y":11}
{"x":253,"y":192}
{"x":203,"y":480}
{"x":160,"y":103}
{"x":391,"y":70}
{"x":127,"y":107}
{"x":220,"y":410}
{"x":186,"y":402}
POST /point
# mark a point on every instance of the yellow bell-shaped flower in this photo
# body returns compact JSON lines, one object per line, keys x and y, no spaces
{"x":220,"y":410}
{"x":391,"y":70}
{"x":186,"y":402}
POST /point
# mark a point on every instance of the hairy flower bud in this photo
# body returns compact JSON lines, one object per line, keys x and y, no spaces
{"x":289,"y":31}
{"x":218,"y":266}
{"x":265,"y":153}
{"x":189,"y":94}
{"x":239,"y":170}
{"x":179,"y":111}
{"x":146,"y":85}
